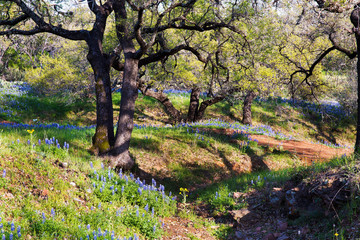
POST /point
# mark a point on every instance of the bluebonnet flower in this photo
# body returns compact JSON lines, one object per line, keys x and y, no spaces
{"x":3,"y":237}
{"x":12,"y":227}
{"x":102,"y":165}
{"x":91,"y":165}
{"x":18,"y":141}
{"x":122,"y":189}
{"x":52,"y":212}
{"x":4,"y":173}
{"x":99,"y":205}
{"x":126,"y":179}
{"x":44,"y":218}
{"x":19,"y":231}
{"x":154,"y":228}
{"x":88,"y":226}
{"x":11,"y":236}
{"x":146,"y":207}
{"x":39,"y":142}
{"x":28,"y":142}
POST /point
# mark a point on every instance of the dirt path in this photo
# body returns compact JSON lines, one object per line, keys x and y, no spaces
{"x":306,"y":151}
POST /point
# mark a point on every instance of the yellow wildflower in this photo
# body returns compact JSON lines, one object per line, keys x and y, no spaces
{"x":30,"y":131}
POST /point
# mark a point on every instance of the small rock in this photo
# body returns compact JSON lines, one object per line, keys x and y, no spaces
{"x":238,"y":214}
{"x":89,"y":190}
{"x":270,"y":236}
{"x":237,"y":195}
{"x":64,"y":164}
{"x":73,"y":184}
{"x":282,"y":226}
{"x":78,"y":200}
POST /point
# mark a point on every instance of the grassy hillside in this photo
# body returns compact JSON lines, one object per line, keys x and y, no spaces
{"x":191,"y":177}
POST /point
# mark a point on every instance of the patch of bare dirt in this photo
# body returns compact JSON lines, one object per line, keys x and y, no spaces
{"x":308,"y":152}
{"x":185,"y":229}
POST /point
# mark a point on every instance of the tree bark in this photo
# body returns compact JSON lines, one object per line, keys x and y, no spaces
{"x":165,"y":101}
{"x":201,"y":111}
{"x":194,"y":104}
{"x":355,"y":19}
{"x":103,"y":139}
{"x":120,"y":156}
{"x":247,"y":107}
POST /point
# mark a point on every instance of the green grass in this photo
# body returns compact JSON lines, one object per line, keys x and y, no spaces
{"x":200,"y":160}
{"x":35,"y":183}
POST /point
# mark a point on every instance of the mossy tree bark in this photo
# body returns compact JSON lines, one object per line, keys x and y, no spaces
{"x":355,"y":19}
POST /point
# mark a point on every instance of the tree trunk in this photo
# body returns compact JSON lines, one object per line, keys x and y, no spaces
{"x":355,"y":19}
{"x":171,"y":111}
{"x":120,"y":156}
{"x":201,"y":111}
{"x":194,"y":104}
{"x":103,"y":139}
{"x":247,"y":107}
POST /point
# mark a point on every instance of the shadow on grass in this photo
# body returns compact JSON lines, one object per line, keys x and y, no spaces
{"x":48,"y":109}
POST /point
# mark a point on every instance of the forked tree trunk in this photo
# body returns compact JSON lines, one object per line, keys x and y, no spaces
{"x":170,"y":110}
{"x":120,"y":155}
{"x":207,"y":103}
{"x":355,"y":19}
{"x":194,"y":104}
{"x":247,"y":119}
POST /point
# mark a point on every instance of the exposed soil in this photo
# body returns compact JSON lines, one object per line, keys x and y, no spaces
{"x":308,"y":152}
